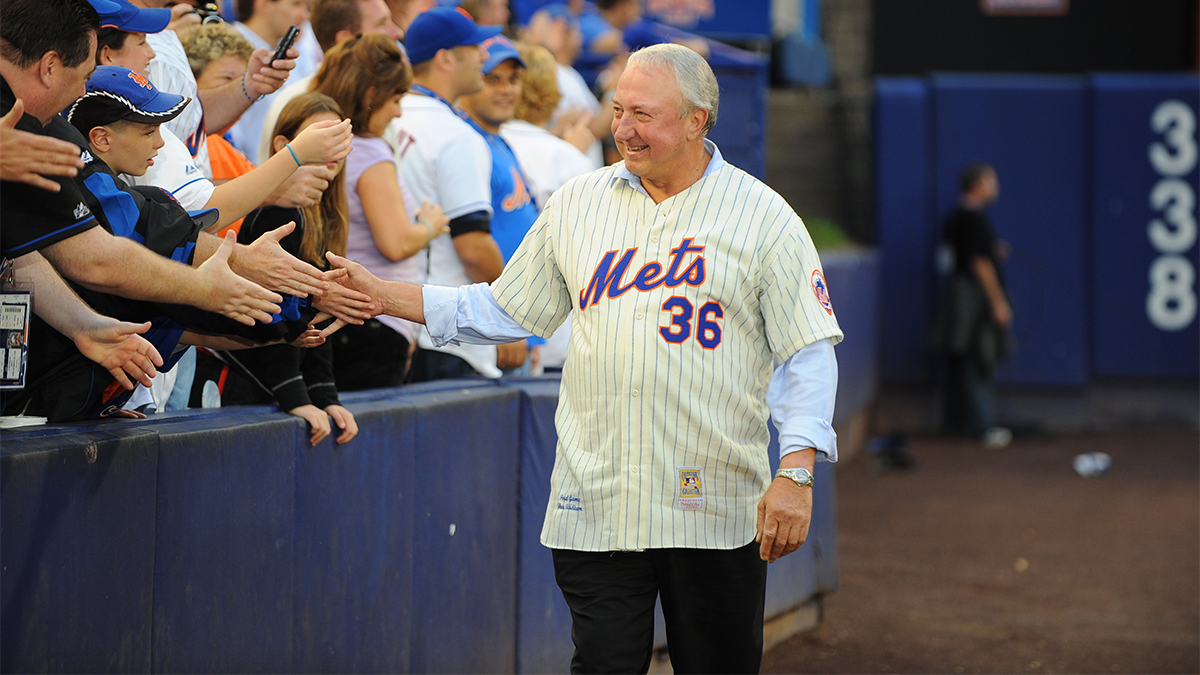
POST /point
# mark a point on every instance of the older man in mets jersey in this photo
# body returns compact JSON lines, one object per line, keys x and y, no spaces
{"x":700,"y":312}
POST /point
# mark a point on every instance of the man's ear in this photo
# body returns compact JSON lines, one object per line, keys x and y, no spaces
{"x":49,"y":67}
{"x":697,"y":119}
{"x":444,"y":60}
{"x":104,"y":56}
{"x":342,"y":35}
{"x":100,"y":139}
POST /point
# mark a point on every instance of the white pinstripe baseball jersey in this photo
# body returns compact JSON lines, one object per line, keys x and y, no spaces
{"x":682,"y":309}
{"x":171,"y":72}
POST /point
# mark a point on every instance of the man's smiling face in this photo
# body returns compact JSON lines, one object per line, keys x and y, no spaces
{"x":649,"y":131}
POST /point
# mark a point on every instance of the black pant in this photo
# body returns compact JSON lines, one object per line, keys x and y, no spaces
{"x":429,"y":365}
{"x":370,"y":356}
{"x":969,"y":398}
{"x":712,"y":600}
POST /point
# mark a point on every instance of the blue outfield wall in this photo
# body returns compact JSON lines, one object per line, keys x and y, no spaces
{"x":854,"y":277}
{"x":1145,"y":182}
{"x":1032,"y":130}
{"x":903,"y":186}
{"x":220,"y":541}
{"x":1096,"y":292}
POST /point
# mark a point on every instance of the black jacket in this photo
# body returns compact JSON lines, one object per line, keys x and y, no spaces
{"x":289,"y":375}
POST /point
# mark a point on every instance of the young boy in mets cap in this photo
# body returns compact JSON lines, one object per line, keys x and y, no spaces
{"x":120,"y":115}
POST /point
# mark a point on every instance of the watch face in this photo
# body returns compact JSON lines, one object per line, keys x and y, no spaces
{"x":800,"y":476}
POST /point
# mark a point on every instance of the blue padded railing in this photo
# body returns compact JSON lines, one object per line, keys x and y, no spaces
{"x":219,"y":541}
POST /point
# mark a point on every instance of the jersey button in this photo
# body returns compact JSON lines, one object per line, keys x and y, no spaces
{"x":633,"y":469}
{"x":636,"y":393}
{"x":639,"y":316}
{"x":654,"y":239}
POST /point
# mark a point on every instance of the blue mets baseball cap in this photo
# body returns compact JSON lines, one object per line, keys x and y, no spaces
{"x":443,"y":28}
{"x":122,"y":15}
{"x":115,"y":93}
{"x":499,"y":50}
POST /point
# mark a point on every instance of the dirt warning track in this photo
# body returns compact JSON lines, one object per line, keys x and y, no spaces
{"x":1006,"y":561}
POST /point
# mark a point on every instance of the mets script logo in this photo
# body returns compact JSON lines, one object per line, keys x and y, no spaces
{"x":821,"y":291}
{"x":141,"y":81}
{"x":520,"y":194}
{"x":682,"y":13}
{"x":193,"y":141}
{"x":606,"y":280}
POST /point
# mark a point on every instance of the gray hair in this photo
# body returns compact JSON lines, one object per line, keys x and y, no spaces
{"x":692,"y":74}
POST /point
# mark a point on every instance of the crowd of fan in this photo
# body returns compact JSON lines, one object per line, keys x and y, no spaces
{"x":170,"y":190}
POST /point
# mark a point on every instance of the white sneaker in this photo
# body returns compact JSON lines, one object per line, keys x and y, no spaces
{"x":997,"y":438}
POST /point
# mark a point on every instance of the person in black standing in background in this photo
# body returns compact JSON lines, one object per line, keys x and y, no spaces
{"x":978,"y":329}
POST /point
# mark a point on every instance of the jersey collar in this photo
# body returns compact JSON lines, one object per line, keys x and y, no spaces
{"x":715,"y":161}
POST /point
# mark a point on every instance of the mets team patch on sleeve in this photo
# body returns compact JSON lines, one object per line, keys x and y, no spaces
{"x":821,"y":291}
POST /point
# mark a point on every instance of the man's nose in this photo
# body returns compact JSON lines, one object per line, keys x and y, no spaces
{"x":623,"y":128}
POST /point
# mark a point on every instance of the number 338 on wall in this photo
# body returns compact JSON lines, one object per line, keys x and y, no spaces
{"x":1171,"y":302}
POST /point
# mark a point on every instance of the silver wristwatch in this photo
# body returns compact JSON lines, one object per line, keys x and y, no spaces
{"x":801,"y":476}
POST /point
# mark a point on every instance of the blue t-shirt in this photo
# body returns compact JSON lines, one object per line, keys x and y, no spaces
{"x":513,"y":208}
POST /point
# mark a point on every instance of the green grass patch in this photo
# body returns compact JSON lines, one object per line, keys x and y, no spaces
{"x":827,"y":234}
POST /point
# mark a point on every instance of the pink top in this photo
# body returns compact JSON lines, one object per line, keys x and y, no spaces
{"x":360,"y":244}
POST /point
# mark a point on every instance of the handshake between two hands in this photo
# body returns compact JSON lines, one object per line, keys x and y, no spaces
{"x":247,"y":283}
{"x":347,"y":301}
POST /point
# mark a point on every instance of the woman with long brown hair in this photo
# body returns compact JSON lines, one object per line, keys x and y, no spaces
{"x":300,"y":380}
{"x":367,"y":75}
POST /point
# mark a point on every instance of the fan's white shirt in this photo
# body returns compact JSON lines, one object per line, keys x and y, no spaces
{"x":444,"y":161}
{"x":171,"y":72}
{"x":547,"y":160}
{"x":576,"y":95}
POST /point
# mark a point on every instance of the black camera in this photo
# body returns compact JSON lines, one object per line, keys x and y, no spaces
{"x":209,"y":13}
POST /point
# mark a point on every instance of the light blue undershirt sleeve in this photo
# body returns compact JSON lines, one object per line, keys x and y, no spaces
{"x":468,"y":314}
{"x":801,"y":398}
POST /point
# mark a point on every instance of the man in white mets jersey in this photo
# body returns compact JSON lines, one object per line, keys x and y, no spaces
{"x":700,"y":311}
{"x":444,"y":161}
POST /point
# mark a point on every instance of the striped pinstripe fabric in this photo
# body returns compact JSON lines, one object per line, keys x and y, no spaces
{"x":170,"y":72}
{"x":682,"y":309}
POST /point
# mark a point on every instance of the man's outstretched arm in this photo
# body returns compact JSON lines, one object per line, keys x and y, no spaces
{"x":465,"y":314}
{"x":116,"y":345}
{"x":102,"y":262}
